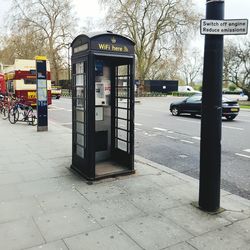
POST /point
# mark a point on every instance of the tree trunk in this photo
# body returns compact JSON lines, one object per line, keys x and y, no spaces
{"x":141,"y":88}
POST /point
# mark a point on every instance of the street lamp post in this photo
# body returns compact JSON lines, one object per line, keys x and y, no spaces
{"x":210,"y":146}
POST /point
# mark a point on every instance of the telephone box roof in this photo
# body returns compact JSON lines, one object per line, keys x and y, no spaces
{"x":102,"y":42}
{"x":92,"y":35}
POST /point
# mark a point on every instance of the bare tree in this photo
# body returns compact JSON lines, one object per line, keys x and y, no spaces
{"x":191,"y":66}
{"x":165,"y":68}
{"x":52,"y":20}
{"x":237,"y":65}
{"x":24,"y":45}
{"x":158,"y":27}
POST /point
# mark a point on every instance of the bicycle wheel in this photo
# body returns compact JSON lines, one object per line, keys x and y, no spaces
{"x":31,"y":118}
{"x":5,"y":113}
{"x":13,"y":115}
{"x":34,"y":120}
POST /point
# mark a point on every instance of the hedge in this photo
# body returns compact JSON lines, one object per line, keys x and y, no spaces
{"x":176,"y":93}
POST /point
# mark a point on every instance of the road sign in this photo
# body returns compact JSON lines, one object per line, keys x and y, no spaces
{"x":224,"y":27}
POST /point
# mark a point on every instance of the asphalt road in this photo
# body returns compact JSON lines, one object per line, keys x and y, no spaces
{"x":175,"y":141}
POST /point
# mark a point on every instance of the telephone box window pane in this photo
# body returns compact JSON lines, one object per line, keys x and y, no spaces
{"x":122,"y":134}
{"x":79,"y":102}
{"x":79,"y":68}
{"x":122,"y":145}
{"x":122,"y":91}
{"x":122,"y":113}
{"x":79,"y":80}
{"x":80,"y":151}
{"x":123,"y":70}
{"x":80,"y":127}
{"x":80,"y":115}
{"x":79,"y":92}
{"x":122,"y":124}
{"x":80,"y":139}
{"x":122,"y":103}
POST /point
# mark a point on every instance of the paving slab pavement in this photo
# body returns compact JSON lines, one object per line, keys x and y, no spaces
{"x":44,"y":205}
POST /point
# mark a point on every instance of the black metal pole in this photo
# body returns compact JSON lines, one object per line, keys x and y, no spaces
{"x":69,"y":81}
{"x":210,"y":147}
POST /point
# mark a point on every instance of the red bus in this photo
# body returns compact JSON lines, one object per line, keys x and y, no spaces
{"x":21,"y":80}
{"x":2,"y":84}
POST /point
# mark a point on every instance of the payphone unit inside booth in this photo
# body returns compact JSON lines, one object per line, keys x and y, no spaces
{"x":102,"y":105}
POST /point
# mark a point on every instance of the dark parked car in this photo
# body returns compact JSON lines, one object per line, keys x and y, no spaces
{"x":192,"y":105}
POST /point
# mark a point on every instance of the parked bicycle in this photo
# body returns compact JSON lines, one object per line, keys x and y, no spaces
{"x":23,"y":112}
{"x":6,"y":103}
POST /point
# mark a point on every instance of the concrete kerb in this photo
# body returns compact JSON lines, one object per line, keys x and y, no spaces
{"x":245,"y":109}
{"x":192,"y":181}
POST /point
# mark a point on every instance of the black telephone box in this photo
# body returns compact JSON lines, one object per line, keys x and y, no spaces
{"x":102,"y":105}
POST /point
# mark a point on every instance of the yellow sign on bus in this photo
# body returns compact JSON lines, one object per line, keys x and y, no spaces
{"x":41,"y":58}
{"x":32,"y":95}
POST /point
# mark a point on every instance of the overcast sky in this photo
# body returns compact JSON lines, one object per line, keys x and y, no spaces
{"x":90,"y":8}
{"x":234,"y":9}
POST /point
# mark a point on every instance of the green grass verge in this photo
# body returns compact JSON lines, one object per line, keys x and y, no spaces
{"x":244,"y":107}
{"x":244,"y":104}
